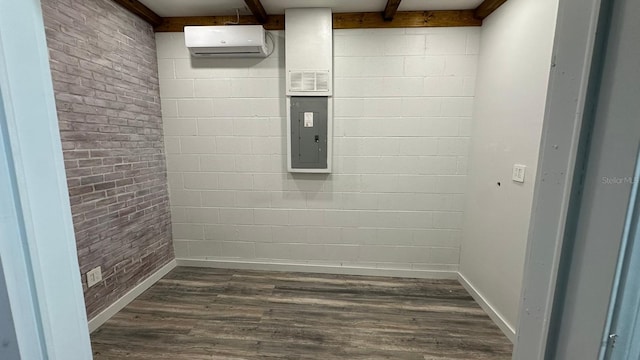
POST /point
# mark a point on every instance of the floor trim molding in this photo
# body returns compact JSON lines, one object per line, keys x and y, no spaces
{"x":119,"y":304}
{"x":322,"y":269}
{"x":497,"y":318}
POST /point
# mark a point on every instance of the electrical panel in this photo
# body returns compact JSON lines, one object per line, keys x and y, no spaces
{"x":309,"y":132}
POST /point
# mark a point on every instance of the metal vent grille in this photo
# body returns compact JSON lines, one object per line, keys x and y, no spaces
{"x":309,"y":81}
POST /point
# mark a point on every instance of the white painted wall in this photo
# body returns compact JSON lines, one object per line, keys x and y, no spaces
{"x":403,"y":104}
{"x":513,"y":71}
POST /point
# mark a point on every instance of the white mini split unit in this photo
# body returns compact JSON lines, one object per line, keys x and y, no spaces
{"x":226,"y":41}
{"x":309,"y":89}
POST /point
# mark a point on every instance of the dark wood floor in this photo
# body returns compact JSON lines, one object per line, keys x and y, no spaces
{"x":195,"y":313}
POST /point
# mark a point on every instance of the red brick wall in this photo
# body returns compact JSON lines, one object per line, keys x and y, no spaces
{"x":105,"y":75}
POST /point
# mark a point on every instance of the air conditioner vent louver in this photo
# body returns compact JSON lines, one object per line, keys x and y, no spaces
{"x":309,"y":81}
{"x":322,"y":81}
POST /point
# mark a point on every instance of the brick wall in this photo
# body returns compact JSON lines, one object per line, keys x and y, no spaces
{"x":394,"y":202}
{"x":104,"y":69}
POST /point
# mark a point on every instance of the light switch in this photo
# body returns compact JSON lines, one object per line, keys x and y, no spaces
{"x":308,"y":119}
{"x":518,"y":173}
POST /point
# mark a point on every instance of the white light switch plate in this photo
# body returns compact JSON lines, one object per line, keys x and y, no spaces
{"x":94,"y":276}
{"x":518,"y":173}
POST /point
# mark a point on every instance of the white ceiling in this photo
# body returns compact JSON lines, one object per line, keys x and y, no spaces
{"x":168,"y":8}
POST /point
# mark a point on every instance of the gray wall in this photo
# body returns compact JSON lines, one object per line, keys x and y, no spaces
{"x":8,"y":342}
{"x":612,"y":159}
{"x":105,"y":77}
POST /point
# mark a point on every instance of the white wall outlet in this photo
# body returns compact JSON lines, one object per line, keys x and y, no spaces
{"x":518,"y":173}
{"x":94,"y":276}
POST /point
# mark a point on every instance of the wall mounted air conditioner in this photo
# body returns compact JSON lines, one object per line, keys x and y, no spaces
{"x":226,"y":41}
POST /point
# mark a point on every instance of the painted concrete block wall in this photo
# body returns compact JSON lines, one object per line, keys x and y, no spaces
{"x":513,"y":72}
{"x":104,"y":69}
{"x":403,"y":104}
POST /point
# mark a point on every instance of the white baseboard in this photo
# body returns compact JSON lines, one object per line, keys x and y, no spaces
{"x":322,"y":269}
{"x":497,"y":318}
{"x":119,"y":304}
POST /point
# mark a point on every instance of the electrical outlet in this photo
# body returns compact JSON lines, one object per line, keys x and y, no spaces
{"x":518,"y":173}
{"x":94,"y":276}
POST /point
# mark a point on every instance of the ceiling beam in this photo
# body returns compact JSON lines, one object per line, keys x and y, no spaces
{"x":390,"y":10}
{"x":257,"y":10}
{"x":141,"y":10}
{"x":487,"y":7}
{"x":440,"y":18}
{"x":177,"y":24}
{"x":404,"y":19}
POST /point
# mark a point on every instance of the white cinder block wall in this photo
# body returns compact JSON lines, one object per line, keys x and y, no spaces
{"x":394,"y":202}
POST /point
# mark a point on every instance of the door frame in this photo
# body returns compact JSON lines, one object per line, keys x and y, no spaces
{"x":624,"y":309}
{"x":562,"y":153}
{"x":25,"y":81}
{"x":40,"y":250}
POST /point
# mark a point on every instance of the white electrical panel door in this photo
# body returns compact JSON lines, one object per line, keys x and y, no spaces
{"x":309,"y":51}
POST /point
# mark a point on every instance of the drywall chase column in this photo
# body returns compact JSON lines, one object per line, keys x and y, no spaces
{"x":309,"y":89}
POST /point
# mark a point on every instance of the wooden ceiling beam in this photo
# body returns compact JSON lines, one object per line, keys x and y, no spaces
{"x":141,"y":10}
{"x":257,"y":10}
{"x":440,"y":18}
{"x":487,"y":7}
{"x":390,"y":10}
{"x":404,"y":19}
{"x":177,"y":24}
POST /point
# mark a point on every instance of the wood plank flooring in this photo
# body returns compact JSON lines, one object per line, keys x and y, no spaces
{"x":196,"y":313}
